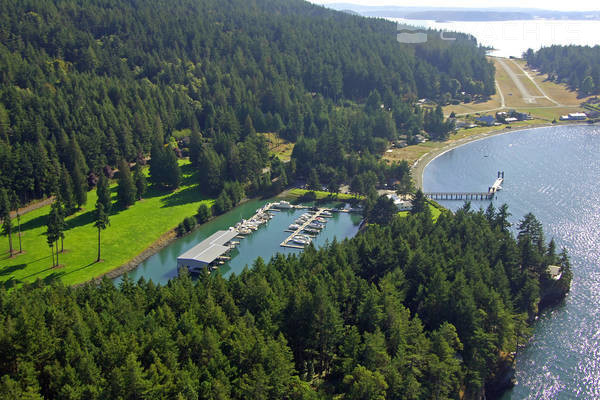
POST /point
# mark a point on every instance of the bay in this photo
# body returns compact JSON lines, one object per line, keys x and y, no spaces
{"x":553,"y":172}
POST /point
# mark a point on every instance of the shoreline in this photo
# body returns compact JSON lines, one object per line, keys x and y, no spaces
{"x":417,"y":169}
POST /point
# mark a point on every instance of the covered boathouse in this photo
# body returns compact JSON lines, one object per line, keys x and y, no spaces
{"x":207,"y":251}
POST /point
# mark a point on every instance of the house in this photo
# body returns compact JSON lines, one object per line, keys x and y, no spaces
{"x":402,"y":205}
{"x":577,"y":116}
{"x":554,"y":271}
{"x":486,"y":120}
{"x":573,"y":117}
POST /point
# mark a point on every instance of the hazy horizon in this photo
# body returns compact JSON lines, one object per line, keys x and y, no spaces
{"x":551,"y":5}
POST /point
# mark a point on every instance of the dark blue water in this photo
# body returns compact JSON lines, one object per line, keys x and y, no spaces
{"x":554,"y":173}
{"x":265,"y":242}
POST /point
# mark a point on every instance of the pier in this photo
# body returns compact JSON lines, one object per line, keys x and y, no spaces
{"x":489,"y":195}
{"x":286,"y":243}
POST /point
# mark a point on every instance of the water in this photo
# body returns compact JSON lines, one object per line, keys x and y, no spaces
{"x":554,"y":173}
{"x":265,"y":242}
{"x":512,"y":38}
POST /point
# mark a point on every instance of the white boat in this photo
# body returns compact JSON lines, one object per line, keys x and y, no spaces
{"x":326,"y":213}
{"x":294,"y":226}
{"x":284,"y":204}
{"x":298,"y":240}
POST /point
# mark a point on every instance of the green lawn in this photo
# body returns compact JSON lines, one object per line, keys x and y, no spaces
{"x":130,"y":232}
{"x":296,"y":193}
{"x":435,"y":212}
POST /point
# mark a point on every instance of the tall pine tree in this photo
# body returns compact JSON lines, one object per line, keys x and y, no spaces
{"x":126,"y":189}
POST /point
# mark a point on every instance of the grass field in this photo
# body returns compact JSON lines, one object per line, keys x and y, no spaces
{"x":294,"y":194}
{"x":279,"y":146}
{"x":413,"y":153}
{"x":435,"y":212}
{"x":559,"y":92}
{"x":130,"y":232}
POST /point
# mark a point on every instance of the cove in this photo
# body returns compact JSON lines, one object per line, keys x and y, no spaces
{"x":265,"y":242}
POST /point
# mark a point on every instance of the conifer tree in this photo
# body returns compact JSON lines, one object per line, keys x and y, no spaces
{"x":15,"y":203}
{"x":172,"y":171}
{"x":126,"y":189}
{"x":103,"y":192}
{"x":66,"y":190}
{"x":80,"y":187}
{"x":6,"y":220}
{"x":101,"y":222}
{"x":140,"y":182}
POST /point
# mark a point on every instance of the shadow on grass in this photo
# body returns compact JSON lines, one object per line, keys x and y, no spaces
{"x":80,"y":268}
{"x":11,"y":269}
{"x":185,"y":196}
{"x":10,"y":283}
{"x":35,"y":223}
{"x":53,"y":277}
{"x":81,"y":219}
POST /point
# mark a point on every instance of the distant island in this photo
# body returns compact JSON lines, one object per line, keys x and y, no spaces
{"x":463,"y":14}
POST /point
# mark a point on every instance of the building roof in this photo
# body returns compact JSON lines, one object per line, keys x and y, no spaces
{"x":554,"y":272}
{"x":488,"y":119}
{"x":210,"y":248}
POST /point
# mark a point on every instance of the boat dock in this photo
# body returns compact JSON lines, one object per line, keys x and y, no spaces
{"x":489,"y":195}
{"x":286,"y":242}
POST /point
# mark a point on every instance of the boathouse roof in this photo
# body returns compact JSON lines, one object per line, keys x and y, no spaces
{"x":210,"y":248}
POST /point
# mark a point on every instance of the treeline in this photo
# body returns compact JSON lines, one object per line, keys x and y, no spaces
{"x":577,"y":66}
{"x":114,"y":77}
{"x":411,"y":310}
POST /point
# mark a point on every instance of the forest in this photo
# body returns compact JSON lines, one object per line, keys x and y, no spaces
{"x":85,"y":84}
{"x":405,"y":310}
{"x":577,"y":66}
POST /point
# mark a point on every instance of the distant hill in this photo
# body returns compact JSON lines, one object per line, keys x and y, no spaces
{"x":464,"y":14}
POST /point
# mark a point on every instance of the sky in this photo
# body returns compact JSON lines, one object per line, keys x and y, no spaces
{"x":581,"y":5}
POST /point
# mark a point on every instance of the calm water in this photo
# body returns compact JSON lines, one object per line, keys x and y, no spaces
{"x":262,"y":243}
{"x":554,"y":173}
{"x":512,"y":38}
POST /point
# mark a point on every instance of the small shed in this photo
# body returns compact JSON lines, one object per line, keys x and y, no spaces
{"x":554,"y":271}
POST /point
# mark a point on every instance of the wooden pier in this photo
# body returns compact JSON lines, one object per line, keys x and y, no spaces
{"x":489,"y":195}
{"x":286,"y":243}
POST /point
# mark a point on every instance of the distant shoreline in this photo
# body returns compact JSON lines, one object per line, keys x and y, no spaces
{"x":418,"y":167}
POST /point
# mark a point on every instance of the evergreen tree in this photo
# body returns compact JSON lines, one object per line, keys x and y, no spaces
{"x":15,"y":203}
{"x":55,"y":227}
{"x":66,"y":191}
{"x":80,"y":187}
{"x":101,"y":221}
{"x":6,"y":220}
{"x":104,"y":194}
{"x":419,"y":202}
{"x":172,"y":178}
{"x":195,"y":145}
{"x":126,"y":189}
{"x":157,"y":163}
{"x":140,"y":182}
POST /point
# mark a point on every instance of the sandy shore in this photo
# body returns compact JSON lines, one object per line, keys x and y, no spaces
{"x":418,"y":167}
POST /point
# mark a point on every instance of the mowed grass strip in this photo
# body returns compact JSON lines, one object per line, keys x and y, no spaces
{"x":294,"y":194}
{"x":131,"y":231}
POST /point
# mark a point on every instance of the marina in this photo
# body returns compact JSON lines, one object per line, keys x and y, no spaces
{"x":263,"y":242}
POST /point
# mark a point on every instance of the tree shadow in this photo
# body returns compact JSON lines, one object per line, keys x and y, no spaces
{"x":53,"y":277}
{"x":35,"y":223}
{"x":80,"y":220}
{"x":80,"y":268}
{"x":11,"y":269}
{"x":10,"y":283}
{"x":185,"y":196}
